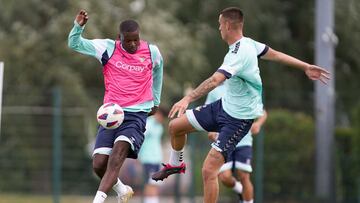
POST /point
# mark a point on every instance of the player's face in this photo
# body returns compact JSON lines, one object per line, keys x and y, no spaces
{"x":130,"y":41}
{"x":222,"y":27}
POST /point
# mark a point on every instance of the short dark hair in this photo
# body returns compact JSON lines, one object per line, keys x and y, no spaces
{"x":234,"y":14}
{"x":128,"y":26}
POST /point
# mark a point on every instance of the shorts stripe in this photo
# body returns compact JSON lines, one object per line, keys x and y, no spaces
{"x":243,"y":167}
{"x":216,"y":147}
{"x":192,"y":119}
{"x":126,"y":139}
{"x":226,"y":166}
{"x":102,"y":150}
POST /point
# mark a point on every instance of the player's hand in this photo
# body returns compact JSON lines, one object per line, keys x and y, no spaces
{"x":82,"y":17}
{"x":213,"y":136}
{"x":255,"y":128}
{"x":179,"y":107}
{"x":153,"y":110}
{"x":317,"y":73}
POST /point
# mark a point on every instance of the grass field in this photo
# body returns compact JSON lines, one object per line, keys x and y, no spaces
{"x":14,"y":198}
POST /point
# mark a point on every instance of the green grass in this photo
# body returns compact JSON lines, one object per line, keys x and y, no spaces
{"x":20,"y":198}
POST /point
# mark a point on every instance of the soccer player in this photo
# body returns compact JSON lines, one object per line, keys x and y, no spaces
{"x":233,"y":115}
{"x":132,"y":70}
{"x":239,"y":161}
{"x":150,"y":155}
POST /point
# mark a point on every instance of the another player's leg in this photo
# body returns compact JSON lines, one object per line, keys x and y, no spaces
{"x":116,"y":159}
{"x":248,"y":189}
{"x":151,"y":190}
{"x":210,"y":170}
{"x":178,"y":128}
{"x":227,"y":178}
{"x":243,"y":156}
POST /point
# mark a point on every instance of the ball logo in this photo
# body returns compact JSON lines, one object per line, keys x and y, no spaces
{"x":110,"y":115}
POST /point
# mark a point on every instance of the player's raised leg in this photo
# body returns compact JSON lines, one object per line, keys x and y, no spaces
{"x":178,"y":129}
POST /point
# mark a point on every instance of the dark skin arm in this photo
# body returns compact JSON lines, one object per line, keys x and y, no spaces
{"x":82,"y":17}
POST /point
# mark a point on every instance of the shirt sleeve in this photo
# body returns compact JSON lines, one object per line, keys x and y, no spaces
{"x":231,"y":65}
{"x":95,"y":47}
{"x":261,"y":48}
{"x":157,"y":61}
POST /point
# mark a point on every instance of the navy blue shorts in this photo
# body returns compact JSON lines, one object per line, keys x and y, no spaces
{"x":149,"y":169}
{"x":240,"y":159}
{"x":131,"y":130}
{"x":213,"y":118}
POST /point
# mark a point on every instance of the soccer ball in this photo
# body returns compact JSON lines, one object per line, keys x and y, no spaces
{"x":110,"y":115}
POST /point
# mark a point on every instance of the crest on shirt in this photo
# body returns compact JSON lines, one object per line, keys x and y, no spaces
{"x":142,"y":59}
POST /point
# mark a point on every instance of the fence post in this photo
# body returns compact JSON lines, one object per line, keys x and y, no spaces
{"x":259,"y":167}
{"x":1,"y":89}
{"x":57,"y":131}
{"x":358,"y":186}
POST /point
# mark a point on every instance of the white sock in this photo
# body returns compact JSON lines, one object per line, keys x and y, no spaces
{"x":119,"y":187}
{"x":176,"y":157}
{"x":238,"y":188}
{"x":151,"y":199}
{"x":250,"y":201}
{"x":99,"y":197}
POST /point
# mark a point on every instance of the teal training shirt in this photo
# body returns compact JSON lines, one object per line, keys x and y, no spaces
{"x":97,"y":47}
{"x":243,"y":100}
{"x":215,"y":94}
{"x":150,"y":151}
{"x":218,"y":93}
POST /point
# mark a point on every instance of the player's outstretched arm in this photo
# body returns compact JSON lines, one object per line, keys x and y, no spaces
{"x":82,"y":17}
{"x":205,"y":87}
{"x":312,"y":71}
{"x":76,"y":42}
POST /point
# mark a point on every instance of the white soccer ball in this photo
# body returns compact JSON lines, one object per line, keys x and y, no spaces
{"x":110,"y":115}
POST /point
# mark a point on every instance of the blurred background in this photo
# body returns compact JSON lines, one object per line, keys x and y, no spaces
{"x":51,"y":95}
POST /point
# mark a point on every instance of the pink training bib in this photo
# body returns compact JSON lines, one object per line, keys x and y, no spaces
{"x":128,"y":77}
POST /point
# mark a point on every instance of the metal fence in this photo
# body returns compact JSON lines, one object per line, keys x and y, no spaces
{"x":45,"y":150}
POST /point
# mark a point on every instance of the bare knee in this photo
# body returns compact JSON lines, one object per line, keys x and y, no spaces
{"x":173,"y":129}
{"x":118,"y":155}
{"x":99,"y":164}
{"x":212,"y":164}
{"x":226,"y":179}
{"x":180,"y":126}
{"x":208,"y":173}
